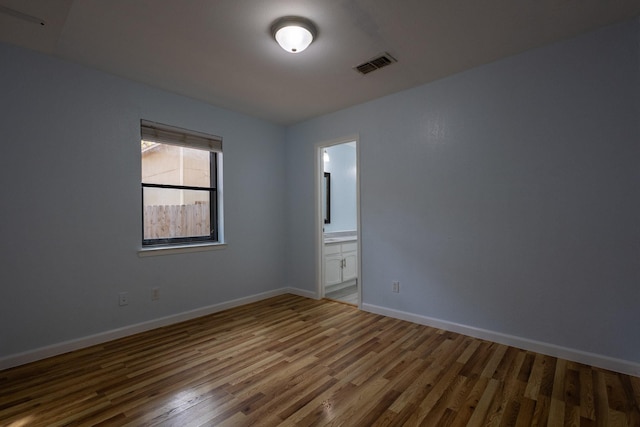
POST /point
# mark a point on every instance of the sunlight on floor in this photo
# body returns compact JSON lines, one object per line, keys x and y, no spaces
{"x":23,"y":422}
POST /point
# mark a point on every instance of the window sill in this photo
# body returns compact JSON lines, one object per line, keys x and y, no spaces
{"x":179,"y":249}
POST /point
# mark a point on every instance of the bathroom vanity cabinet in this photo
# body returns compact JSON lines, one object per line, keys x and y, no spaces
{"x":340,"y":262}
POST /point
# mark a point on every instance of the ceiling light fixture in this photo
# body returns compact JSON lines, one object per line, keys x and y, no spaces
{"x":293,"y":33}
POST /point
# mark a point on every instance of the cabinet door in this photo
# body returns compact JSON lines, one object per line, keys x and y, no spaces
{"x":350,"y":270}
{"x":332,"y":269}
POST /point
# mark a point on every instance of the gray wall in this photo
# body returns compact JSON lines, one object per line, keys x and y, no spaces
{"x":70,"y":217}
{"x":506,"y":197}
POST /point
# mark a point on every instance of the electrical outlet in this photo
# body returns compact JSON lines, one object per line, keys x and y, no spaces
{"x":123,"y":298}
{"x":155,"y":294}
{"x":396,"y":286}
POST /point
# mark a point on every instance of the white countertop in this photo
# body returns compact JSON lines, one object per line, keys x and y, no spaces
{"x":339,"y":238}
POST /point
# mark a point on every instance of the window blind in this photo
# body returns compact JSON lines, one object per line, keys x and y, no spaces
{"x":163,"y":134}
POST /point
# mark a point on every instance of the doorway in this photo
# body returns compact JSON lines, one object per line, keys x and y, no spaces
{"x":339,"y":222}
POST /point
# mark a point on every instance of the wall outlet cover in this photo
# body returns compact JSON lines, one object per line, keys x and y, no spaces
{"x":123,"y":298}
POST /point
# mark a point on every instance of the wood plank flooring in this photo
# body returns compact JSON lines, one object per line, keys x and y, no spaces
{"x":290,"y":360}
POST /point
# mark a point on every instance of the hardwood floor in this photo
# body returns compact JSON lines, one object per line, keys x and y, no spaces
{"x":295,"y":361}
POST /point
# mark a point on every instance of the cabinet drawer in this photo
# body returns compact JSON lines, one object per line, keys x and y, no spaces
{"x":351,"y":246}
{"x":332,"y":249}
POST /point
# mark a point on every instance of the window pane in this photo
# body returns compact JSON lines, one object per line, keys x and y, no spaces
{"x":174,"y":165}
{"x":170,"y":213}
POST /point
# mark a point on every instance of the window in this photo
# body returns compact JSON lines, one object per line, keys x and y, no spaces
{"x":179,"y":185}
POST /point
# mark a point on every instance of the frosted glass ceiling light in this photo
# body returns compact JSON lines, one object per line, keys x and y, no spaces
{"x":293,"y":33}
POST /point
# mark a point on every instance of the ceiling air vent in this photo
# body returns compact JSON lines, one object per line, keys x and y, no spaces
{"x":373,"y":64}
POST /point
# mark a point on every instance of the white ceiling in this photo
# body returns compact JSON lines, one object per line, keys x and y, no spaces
{"x":220,"y":51}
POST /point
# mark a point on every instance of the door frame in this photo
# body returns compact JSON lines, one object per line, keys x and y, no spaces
{"x":319,"y":220}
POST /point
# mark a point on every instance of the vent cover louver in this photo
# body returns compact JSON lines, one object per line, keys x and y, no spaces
{"x":376,"y":63}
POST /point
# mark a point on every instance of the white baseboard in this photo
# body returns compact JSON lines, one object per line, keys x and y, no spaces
{"x":605,"y":362}
{"x":618,"y":365}
{"x":302,"y":293}
{"x":75,"y":344}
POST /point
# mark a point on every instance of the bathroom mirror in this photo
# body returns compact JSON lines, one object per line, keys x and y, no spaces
{"x":326,"y":198}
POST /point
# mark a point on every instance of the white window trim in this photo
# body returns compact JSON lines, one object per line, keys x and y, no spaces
{"x":179,"y":249}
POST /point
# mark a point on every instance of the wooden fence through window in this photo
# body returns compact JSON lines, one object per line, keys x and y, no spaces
{"x":167,"y":221}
